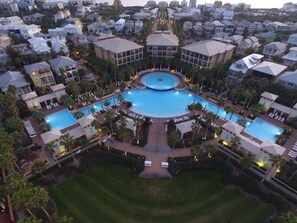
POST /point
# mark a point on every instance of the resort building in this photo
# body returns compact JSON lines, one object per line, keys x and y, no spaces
{"x":228,"y":26}
{"x":248,"y":43}
{"x":17,"y":79}
{"x":163,"y":44}
{"x":119,"y":51}
{"x":142,"y":16}
{"x":274,"y":49}
{"x":269,"y":70}
{"x":292,"y":39}
{"x":41,"y":74}
{"x":65,"y":67}
{"x":259,"y":150}
{"x":83,"y":129}
{"x":207,"y":54}
{"x":39,"y":45}
{"x":288,"y":80}
{"x":119,"y":25}
{"x":291,"y":58}
{"x":240,"y":68}
{"x":33,"y":101}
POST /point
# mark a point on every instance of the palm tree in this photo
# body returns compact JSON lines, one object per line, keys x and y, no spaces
{"x":246,"y":94}
{"x":120,"y":98}
{"x":97,"y":125}
{"x":196,"y":127}
{"x":49,"y":147}
{"x":253,"y":93}
{"x":14,"y":182}
{"x":138,"y":122}
{"x":235,"y":143}
{"x":276,"y":161}
{"x":6,"y":155}
{"x":246,"y":162}
{"x":109,"y":116}
{"x":106,"y":103}
{"x":122,"y":122}
{"x":78,"y":115}
{"x":173,"y":138}
{"x":38,"y":168}
{"x":209,"y":118}
{"x":288,"y":217}
{"x":68,"y":142}
{"x":195,"y":90}
{"x":31,"y":219}
{"x":124,"y":134}
{"x":38,"y":116}
{"x":196,"y":151}
{"x":37,"y":198}
{"x":210,"y":149}
{"x":220,"y":103}
{"x":12,"y":89}
{"x":228,"y":109}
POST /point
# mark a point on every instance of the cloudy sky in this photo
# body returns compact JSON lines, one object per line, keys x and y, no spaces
{"x":254,"y":3}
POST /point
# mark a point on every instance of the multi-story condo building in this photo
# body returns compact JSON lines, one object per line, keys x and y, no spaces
{"x":17,"y":79}
{"x":207,"y":54}
{"x":274,"y":49}
{"x":119,"y":51}
{"x":288,"y":80}
{"x":291,"y":58}
{"x":41,"y":74}
{"x":218,"y":26}
{"x":162,"y":45}
{"x":228,"y":26}
{"x":248,"y":43}
{"x":292,"y":39}
{"x":65,"y":67}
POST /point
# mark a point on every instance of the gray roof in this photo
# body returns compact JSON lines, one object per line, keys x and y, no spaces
{"x":15,"y":78}
{"x":289,"y":76}
{"x":162,"y":39}
{"x":227,"y":23}
{"x":117,"y":45}
{"x":276,"y":45}
{"x":209,"y":47}
{"x":35,"y":67}
{"x":269,"y":68}
{"x":62,"y":61}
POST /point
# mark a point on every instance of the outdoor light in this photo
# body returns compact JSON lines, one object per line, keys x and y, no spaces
{"x":260,"y":163}
{"x":278,"y":170}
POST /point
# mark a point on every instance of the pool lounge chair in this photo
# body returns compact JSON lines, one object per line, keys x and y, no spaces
{"x":283,"y":119}
{"x":292,"y":155}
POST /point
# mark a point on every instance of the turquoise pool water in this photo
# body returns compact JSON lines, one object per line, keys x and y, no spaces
{"x":262,"y":130}
{"x":171,"y":103}
{"x":61,"y":120}
{"x":99,"y":106}
{"x":160,"y":81}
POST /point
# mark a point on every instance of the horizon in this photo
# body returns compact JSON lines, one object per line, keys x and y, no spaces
{"x":253,"y":3}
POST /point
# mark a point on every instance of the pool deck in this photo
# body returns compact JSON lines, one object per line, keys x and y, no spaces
{"x":158,"y":137}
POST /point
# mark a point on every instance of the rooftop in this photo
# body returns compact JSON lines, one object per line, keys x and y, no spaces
{"x":15,"y":78}
{"x":35,"y":67}
{"x":269,"y":95}
{"x":209,"y":47}
{"x":117,"y":45}
{"x":162,"y":39}
{"x":276,"y":45}
{"x":289,"y":76}
{"x":62,"y":61}
{"x":270,"y":68}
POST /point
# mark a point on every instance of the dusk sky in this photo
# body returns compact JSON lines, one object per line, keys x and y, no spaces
{"x":254,"y":3}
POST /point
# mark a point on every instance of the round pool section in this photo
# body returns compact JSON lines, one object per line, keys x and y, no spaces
{"x":160,"y":81}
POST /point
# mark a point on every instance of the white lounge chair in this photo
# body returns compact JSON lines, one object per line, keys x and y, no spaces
{"x":292,"y":155}
{"x":283,"y":119}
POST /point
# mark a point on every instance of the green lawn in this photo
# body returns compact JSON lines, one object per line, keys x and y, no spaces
{"x":112,"y":193}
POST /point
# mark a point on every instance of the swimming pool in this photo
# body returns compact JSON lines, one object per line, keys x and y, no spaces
{"x":170,"y":103}
{"x":263,"y":130}
{"x":61,"y":120}
{"x":99,"y":106}
{"x":160,"y":81}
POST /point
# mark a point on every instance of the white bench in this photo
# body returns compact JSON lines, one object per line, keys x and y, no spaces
{"x":147,"y":163}
{"x":164,"y":164}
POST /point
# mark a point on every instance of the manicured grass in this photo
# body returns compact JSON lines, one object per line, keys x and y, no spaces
{"x":112,"y":193}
